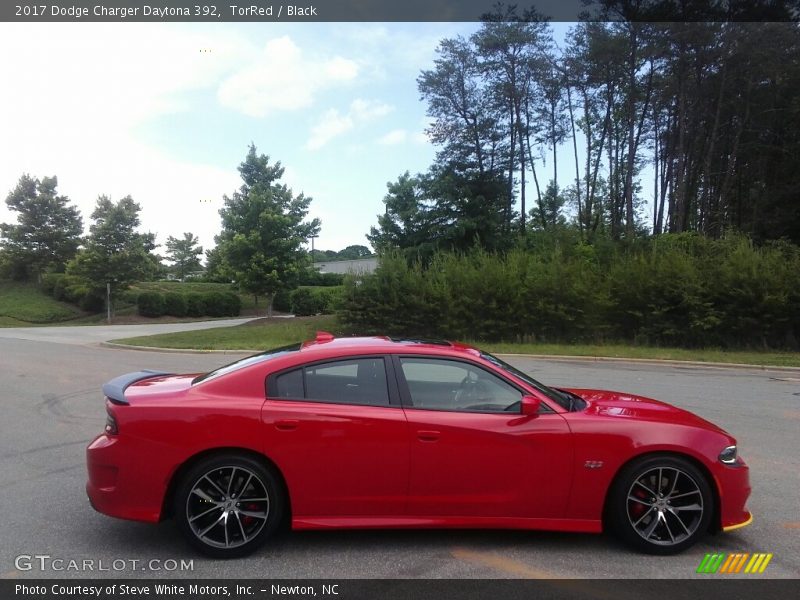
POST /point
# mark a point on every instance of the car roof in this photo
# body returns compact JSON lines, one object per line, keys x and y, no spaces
{"x":327,"y":342}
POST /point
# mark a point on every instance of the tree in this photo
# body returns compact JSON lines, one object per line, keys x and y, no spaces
{"x":184,"y":254}
{"x":354,"y":252}
{"x":408,"y":221}
{"x":264,"y":229}
{"x":115,"y":252}
{"x":48,"y":230}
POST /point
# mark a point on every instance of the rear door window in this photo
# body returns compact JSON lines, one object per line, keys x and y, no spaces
{"x":353,"y":381}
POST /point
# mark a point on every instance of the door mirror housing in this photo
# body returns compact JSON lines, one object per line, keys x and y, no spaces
{"x":530,"y":406}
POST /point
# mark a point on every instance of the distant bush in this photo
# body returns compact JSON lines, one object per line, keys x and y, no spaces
{"x":215,"y":304}
{"x":127,"y":298}
{"x":329,"y":298}
{"x":195,"y":304}
{"x":151,"y":304}
{"x":232,"y":304}
{"x":49,"y":281}
{"x":315,"y":278}
{"x":175,"y":304}
{"x":59,"y":288}
{"x":92,"y":302}
{"x":675,"y":289}
{"x":305,"y":302}
{"x":282,"y":301}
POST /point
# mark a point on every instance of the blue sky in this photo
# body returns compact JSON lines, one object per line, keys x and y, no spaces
{"x":165,"y":112}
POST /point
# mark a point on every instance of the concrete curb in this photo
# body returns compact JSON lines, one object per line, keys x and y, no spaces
{"x":175,"y":350}
{"x":553,"y":357}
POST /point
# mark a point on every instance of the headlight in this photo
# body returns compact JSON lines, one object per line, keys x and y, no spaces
{"x":728,"y":456}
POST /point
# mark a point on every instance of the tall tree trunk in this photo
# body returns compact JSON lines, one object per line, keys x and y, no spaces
{"x":577,"y":164}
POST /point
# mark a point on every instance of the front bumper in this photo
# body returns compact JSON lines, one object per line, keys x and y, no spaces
{"x":733,"y":483}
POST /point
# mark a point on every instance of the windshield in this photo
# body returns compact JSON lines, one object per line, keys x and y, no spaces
{"x":559,"y":397}
{"x":246,"y":362}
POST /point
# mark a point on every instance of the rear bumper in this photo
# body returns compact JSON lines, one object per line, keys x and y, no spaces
{"x":120,"y":486}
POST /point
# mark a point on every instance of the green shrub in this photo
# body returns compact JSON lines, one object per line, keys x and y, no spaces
{"x":175,"y":304}
{"x":677,"y":290}
{"x":151,"y":304}
{"x":59,"y":289}
{"x":282,"y":301}
{"x":195,"y":304}
{"x":74,"y":292}
{"x":329,"y":298}
{"x":305,"y":303}
{"x":92,"y":302}
{"x":127,"y":298}
{"x":232,"y":304}
{"x":215,"y":304}
{"x":49,"y":281}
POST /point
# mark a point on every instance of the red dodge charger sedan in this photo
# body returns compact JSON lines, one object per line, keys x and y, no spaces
{"x":382,"y":432}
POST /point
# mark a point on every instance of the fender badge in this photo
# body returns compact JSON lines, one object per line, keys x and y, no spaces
{"x":593,"y":464}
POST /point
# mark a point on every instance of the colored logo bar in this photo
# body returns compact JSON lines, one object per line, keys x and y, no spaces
{"x":724,"y":563}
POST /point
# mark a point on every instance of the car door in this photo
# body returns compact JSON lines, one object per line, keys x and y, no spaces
{"x":473,"y":454}
{"x":339,"y":436}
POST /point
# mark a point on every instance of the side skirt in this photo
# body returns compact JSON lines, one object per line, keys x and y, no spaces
{"x":377,"y":522}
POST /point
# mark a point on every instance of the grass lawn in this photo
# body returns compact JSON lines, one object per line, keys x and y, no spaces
{"x":270,"y":333}
{"x":23,"y":304}
{"x":745,"y":357}
{"x":259,"y":335}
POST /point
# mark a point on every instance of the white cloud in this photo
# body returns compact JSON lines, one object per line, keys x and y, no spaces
{"x":333,"y":124}
{"x":394,"y":137}
{"x":283,"y":78}
{"x":80,"y":93}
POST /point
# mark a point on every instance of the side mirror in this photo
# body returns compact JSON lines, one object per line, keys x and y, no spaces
{"x":530,"y":406}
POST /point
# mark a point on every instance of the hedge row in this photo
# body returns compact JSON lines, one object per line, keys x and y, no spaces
{"x":677,"y":290}
{"x":67,"y":288}
{"x":313,"y":301}
{"x":192,"y":304}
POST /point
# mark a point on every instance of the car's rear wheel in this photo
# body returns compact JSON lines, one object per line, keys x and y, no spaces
{"x":661,"y":504}
{"x":227,"y":505}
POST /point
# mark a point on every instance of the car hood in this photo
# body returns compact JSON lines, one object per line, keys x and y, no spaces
{"x":604,"y":403}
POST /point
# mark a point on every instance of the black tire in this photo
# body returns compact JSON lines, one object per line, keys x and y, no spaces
{"x":660,"y":504}
{"x":227,"y":505}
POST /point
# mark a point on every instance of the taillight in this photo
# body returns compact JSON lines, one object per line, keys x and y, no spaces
{"x":111,"y":424}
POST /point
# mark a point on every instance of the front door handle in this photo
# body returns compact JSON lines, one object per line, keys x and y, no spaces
{"x":286,"y":425}
{"x":428,"y":436}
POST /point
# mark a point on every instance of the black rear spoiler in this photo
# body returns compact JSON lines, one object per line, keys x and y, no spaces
{"x":114,"y":390}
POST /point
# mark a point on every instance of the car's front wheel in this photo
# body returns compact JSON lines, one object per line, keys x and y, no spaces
{"x":227,"y":505}
{"x":661,"y":504}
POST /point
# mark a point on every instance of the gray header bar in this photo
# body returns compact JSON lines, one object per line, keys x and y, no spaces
{"x":386,"y":10}
{"x":267,"y":10}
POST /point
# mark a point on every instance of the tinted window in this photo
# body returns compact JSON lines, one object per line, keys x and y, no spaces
{"x":358,"y":381}
{"x":355,"y":381}
{"x":290,"y":385}
{"x":453,"y":385}
{"x":246,"y":362}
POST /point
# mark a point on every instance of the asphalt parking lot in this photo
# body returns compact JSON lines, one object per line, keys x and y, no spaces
{"x":52,"y":407}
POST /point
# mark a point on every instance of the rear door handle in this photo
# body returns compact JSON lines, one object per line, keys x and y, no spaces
{"x":428,"y":436}
{"x":286,"y":425}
